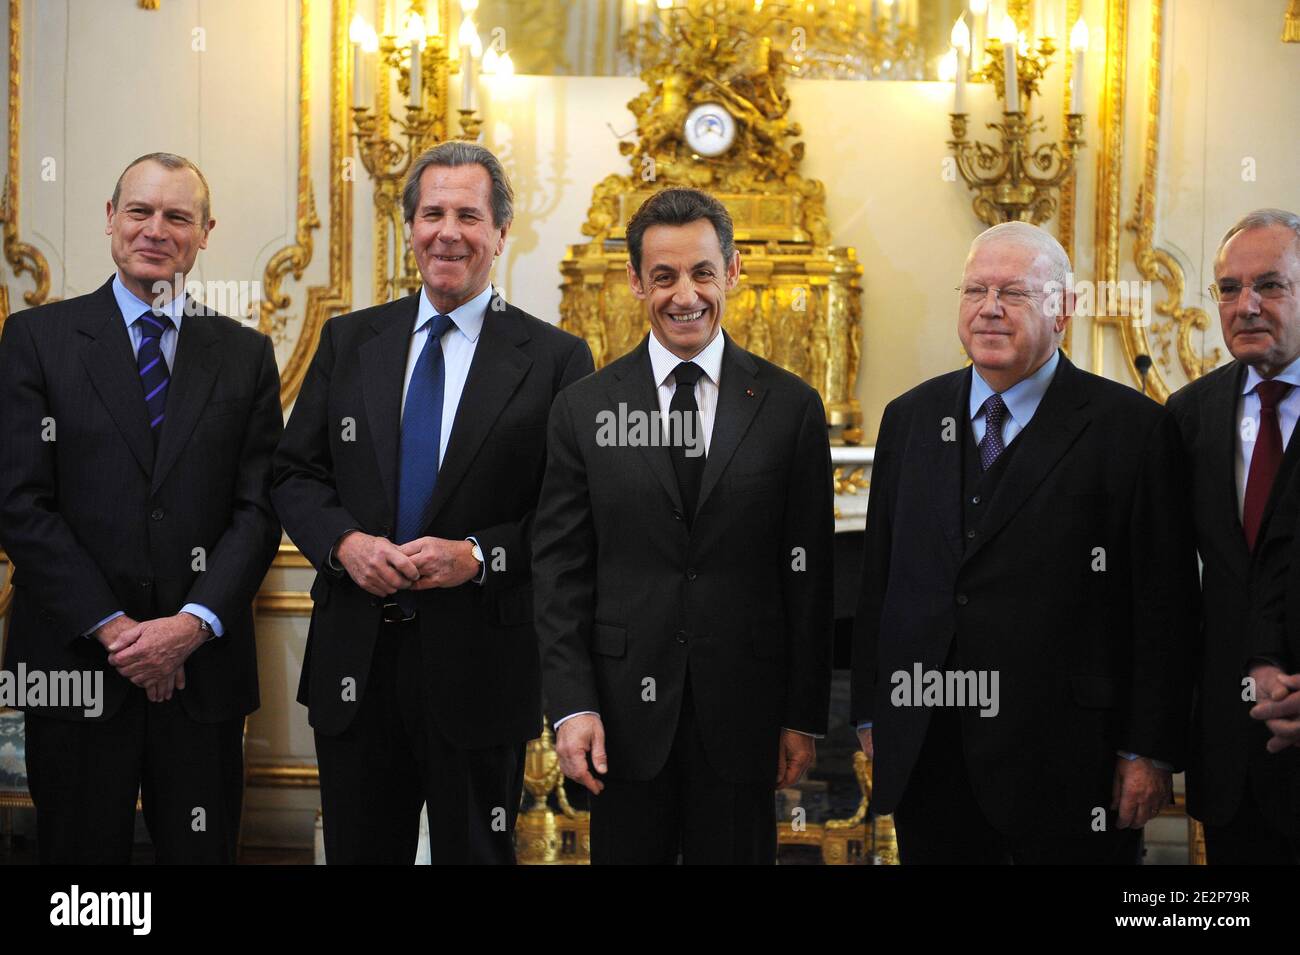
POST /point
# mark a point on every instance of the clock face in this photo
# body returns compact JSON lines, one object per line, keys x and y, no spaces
{"x":710,"y":129}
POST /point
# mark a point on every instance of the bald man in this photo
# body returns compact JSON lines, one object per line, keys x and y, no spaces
{"x":1020,"y":647}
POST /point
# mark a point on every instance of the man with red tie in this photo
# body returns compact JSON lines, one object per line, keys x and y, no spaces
{"x":1237,"y":423}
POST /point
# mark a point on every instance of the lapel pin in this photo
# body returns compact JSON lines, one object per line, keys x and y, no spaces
{"x":749,"y":392}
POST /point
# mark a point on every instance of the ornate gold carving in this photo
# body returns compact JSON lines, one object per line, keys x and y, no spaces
{"x":21,"y":256}
{"x":294,"y":258}
{"x":324,"y":301}
{"x":542,"y":837}
{"x":850,"y":480}
{"x":1157,"y":265}
{"x":1291,"y":23}
{"x":149,"y":4}
{"x":1110,"y":167}
{"x":799,"y":301}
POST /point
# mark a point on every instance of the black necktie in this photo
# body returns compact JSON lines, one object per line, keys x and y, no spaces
{"x":689,"y":466}
{"x":154,"y":373}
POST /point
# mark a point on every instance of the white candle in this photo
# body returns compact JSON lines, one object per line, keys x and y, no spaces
{"x":468,"y":41}
{"x":417,"y":79}
{"x":1079,"y":45}
{"x":357,"y":33}
{"x":960,"y":38}
{"x":1009,"y":40}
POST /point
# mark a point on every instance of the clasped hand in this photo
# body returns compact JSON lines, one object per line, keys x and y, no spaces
{"x":152,"y":653}
{"x":380,"y":567}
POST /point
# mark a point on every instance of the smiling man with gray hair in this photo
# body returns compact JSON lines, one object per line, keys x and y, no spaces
{"x":408,"y":476}
{"x":1026,"y":520}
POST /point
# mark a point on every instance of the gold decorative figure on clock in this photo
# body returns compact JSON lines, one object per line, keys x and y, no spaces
{"x":714,"y":116}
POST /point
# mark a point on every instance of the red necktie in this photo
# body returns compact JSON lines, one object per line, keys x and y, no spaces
{"x":1265,"y":459}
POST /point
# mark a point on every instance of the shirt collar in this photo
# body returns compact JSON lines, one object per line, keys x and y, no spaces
{"x":131,"y":307}
{"x":663,"y":362}
{"x":1022,"y":398}
{"x":1290,"y":374}
{"x":467,"y":317}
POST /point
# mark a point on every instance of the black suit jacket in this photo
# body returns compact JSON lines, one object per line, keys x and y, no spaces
{"x":1089,"y":661}
{"x":95,"y":522}
{"x":480,"y":649}
{"x":626,"y":591}
{"x":1228,"y":747}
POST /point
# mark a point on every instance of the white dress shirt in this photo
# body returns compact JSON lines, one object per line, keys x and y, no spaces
{"x":458,"y":345}
{"x":663,"y":363}
{"x":1288,"y":409}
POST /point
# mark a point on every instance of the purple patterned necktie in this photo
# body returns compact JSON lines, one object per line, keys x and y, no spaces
{"x":995,"y":412}
{"x":154,"y":373}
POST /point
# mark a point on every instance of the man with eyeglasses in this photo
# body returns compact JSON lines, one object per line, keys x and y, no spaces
{"x":1021,"y":642}
{"x":1237,"y":422}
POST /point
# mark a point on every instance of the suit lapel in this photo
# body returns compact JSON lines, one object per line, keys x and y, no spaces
{"x":494,"y":375}
{"x":198,"y":361}
{"x":111,"y":366}
{"x":1285,"y":470}
{"x":739,"y":398}
{"x":383,"y":372}
{"x":635,"y":390}
{"x":1223,"y":428}
{"x":1056,"y":425}
{"x":941,"y":460}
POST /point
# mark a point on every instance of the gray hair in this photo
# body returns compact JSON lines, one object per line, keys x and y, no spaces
{"x":1260,"y":219}
{"x":679,"y":207}
{"x":1030,"y":236}
{"x":457,"y":152}
{"x":169,"y":161}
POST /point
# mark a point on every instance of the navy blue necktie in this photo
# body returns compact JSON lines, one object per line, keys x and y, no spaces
{"x":991,"y":446}
{"x":154,"y":373}
{"x":421,"y":433}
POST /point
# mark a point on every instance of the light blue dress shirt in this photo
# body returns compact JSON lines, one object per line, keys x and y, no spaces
{"x":1022,"y":400}
{"x":132,"y":308}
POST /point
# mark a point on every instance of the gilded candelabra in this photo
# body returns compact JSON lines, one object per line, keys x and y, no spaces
{"x":1017,"y":180}
{"x":415,"y":63}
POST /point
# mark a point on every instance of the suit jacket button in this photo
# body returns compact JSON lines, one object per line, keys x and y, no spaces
{"x":156,"y":513}
{"x":970,"y":535}
{"x":975,"y":499}
{"x":145,"y":584}
{"x":677,"y":515}
{"x":690,"y":574}
{"x":681,"y":636}
{"x":962,"y":600}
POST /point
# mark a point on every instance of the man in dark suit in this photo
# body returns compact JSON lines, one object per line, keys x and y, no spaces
{"x":682,"y":559}
{"x":134,"y":501}
{"x":408,"y":476}
{"x":1020,"y":648}
{"x":1237,"y":423}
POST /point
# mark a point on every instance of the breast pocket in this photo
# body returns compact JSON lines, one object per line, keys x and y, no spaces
{"x":755,"y":482}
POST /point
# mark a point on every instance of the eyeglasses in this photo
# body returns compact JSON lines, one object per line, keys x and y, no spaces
{"x":1012,"y":297}
{"x":1269,"y":288}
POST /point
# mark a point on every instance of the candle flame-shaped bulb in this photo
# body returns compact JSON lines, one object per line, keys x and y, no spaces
{"x":1079,"y":35}
{"x":960,"y":36}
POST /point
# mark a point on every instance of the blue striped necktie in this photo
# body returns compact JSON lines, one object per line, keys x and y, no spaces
{"x":421,"y":433}
{"x":154,"y":373}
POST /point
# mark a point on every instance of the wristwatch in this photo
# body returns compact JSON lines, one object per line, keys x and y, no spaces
{"x":205,"y":628}
{"x":476,"y":551}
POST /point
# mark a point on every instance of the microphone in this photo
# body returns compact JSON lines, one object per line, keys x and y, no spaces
{"x":1143,"y":365}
